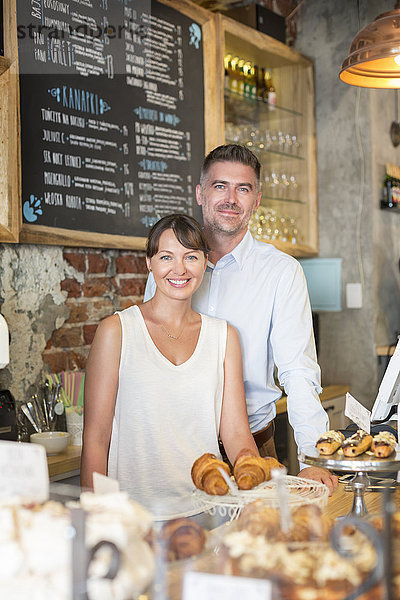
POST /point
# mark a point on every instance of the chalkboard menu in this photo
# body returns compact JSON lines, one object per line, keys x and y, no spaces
{"x":112,"y":113}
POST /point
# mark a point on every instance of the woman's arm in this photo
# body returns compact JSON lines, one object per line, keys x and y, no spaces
{"x":101,"y":385}
{"x":234,"y":429}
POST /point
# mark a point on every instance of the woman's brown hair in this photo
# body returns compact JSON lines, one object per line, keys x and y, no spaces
{"x":186,"y":229}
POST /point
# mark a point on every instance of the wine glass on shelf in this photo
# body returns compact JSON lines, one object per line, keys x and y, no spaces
{"x":284,"y":185}
{"x":295,"y":145}
{"x":268,"y":140}
{"x":288,"y":143}
{"x":293,"y":190}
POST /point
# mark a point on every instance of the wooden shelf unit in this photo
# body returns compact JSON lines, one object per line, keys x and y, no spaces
{"x":294,"y":113}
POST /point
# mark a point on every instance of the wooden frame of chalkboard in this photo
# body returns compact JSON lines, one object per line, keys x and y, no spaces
{"x":26,"y":205}
{"x":10,"y":212}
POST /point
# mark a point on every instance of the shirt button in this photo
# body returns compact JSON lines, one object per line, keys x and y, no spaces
{"x":212,"y":308}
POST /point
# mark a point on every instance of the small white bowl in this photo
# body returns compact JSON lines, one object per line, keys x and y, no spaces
{"x":53,"y":441}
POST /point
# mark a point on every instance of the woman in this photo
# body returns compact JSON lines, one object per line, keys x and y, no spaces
{"x":162,"y":382}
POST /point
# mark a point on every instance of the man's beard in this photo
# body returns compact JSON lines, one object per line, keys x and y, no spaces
{"x":222,"y":225}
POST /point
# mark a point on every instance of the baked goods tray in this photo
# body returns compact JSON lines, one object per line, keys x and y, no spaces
{"x":300,"y":491}
{"x":365,"y":462}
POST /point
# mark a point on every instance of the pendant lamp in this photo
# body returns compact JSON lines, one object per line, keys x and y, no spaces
{"x":374,"y":56}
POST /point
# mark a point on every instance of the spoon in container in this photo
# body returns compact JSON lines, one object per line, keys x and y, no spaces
{"x":29,"y":417}
{"x":33,"y":414}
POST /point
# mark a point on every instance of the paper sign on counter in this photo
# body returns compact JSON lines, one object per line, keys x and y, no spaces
{"x":198,"y":586}
{"x":357,"y":413}
{"x":23,"y":471}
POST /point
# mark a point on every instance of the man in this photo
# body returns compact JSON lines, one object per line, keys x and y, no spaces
{"x":262,"y":293}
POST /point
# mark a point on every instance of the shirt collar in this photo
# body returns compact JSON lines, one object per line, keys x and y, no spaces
{"x":239,"y":253}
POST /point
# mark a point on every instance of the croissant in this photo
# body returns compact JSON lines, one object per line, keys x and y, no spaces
{"x":309,"y":523}
{"x":259,"y":519}
{"x":182,"y":538}
{"x":206,"y":476}
{"x":251,"y":470}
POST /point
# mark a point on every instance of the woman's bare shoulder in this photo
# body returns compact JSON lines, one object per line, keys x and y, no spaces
{"x":109,"y":327}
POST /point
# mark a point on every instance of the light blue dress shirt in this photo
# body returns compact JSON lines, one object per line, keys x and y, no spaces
{"x":262,"y":292}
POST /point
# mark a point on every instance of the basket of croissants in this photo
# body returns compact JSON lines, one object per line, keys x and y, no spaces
{"x":249,"y":471}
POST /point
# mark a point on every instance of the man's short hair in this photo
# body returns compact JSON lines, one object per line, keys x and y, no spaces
{"x":231,"y":153}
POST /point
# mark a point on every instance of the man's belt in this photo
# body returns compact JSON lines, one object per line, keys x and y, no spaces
{"x":262,"y":436}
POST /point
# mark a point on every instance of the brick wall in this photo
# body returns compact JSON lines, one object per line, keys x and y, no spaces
{"x":98,"y":282}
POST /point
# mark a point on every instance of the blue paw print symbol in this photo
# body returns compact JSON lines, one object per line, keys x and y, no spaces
{"x":32,"y":208}
{"x":195,"y":35}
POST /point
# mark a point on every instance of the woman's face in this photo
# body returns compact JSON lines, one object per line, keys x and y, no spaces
{"x":178,"y":271}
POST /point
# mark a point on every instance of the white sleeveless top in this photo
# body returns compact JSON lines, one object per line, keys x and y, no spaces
{"x":166,"y":415}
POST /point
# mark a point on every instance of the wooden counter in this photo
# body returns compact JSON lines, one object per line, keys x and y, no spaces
{"x":328,"y":393}
{"x":66,"y":463}
{"x":386,"y":350}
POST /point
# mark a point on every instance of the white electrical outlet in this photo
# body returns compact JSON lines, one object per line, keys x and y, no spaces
{"x":354,"y":295}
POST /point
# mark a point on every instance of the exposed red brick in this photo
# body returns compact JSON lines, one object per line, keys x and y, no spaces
{"x":97,"y":263}
{"x":71,"y":286}
{"x":76,"y":259}
{"x":97,"y":286}
{"x":88,"y":333}
{"x":67,"y":337}
{"x":98,"y":309}
{"x":78,"y":312}
{"x":56,"y":361}
{"x":126,"y":303}
{"x":77,"y":360}
{"x":131,"y":263}
{"x":131,"y":287}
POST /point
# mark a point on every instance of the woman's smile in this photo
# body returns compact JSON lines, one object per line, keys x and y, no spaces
{"x":178,"y":282}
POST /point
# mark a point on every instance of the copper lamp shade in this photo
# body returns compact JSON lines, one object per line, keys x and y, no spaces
{"x":374,"y":57}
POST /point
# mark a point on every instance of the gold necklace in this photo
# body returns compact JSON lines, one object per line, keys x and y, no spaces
{"x":167,"y":333}
{"x":172,"y":337}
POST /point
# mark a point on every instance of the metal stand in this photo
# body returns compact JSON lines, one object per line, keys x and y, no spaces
{"x":359,"y":483}
{"x":360,"y":466}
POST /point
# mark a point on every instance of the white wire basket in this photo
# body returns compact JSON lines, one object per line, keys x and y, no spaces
{"x":300,"y":491}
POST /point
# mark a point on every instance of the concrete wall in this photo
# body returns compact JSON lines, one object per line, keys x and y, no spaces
{"x":353,"y":145}
{"x":53,"y":299}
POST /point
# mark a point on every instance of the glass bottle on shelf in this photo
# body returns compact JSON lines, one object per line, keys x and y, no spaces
{"x":228,"y":71}
{"x":240,"y":68}
{"x":247,"y":78}
{"x":261,"y":83}
{"x":234,"y":74}
{"x":270,"y":92}
{"x":253,"y":82}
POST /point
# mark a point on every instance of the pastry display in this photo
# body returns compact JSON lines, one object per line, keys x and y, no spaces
{"x":250,"y":469}
{"x":36,"y":548}
{"x":180,"y":538}
{"x":308,"y":571}
{"x":308,"y":523}
{"x":329,"y":442}
{"x":383,"y":444}
{"x":357,"y":444}
{"x":207,"y":477}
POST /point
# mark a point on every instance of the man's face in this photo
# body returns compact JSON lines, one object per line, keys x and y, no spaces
{"x":228,"y":197}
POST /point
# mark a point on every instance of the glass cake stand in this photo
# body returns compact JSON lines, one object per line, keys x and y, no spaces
{"x":360,"y":466}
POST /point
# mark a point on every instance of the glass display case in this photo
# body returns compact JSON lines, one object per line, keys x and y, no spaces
{"x":267,"y":103}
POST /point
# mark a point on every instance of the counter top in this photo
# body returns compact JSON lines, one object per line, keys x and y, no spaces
{"x":65,"y":462}
{"x":386,"y":350}
{"x":328,"y":393}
